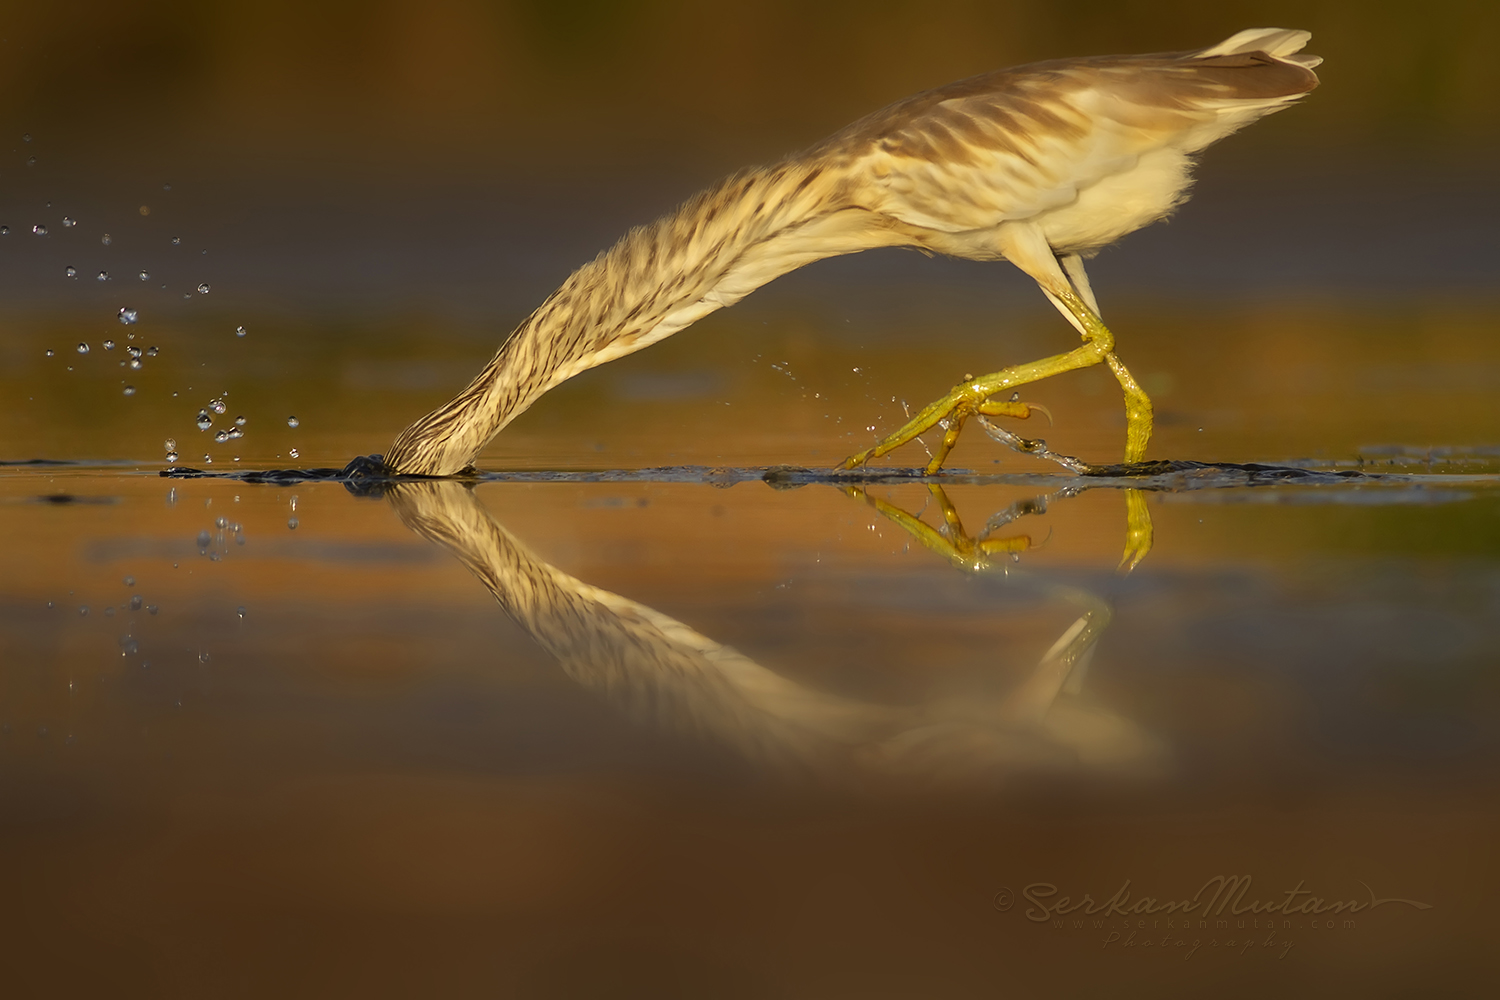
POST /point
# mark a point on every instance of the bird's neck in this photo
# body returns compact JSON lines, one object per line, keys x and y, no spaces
{"x":710,"y":253}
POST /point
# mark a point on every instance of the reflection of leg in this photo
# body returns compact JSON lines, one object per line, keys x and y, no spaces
{"x":973,"y":552}
{"x":1061,"y":665}
{"x":1138,"y":530}
{"x":952,"y":541}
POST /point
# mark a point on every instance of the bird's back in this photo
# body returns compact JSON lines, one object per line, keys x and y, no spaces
{"x":1028,"y":142}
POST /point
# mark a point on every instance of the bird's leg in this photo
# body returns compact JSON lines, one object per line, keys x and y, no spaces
{"x":1137,"y":404}
{"x":973,"y":395}
{"x":952,"y":426}
{"x":1137,"y":412}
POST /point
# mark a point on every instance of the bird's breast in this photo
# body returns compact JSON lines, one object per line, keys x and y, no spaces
{"x":1118,"y":203}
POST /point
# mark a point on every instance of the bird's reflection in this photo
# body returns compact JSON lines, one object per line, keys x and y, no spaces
{"x":664,"y":673}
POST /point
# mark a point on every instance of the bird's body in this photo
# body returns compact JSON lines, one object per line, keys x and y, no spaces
{"x":1041,"y":165}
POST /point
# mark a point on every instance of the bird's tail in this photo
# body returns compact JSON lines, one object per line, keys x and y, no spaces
{"x":1281,"y":43}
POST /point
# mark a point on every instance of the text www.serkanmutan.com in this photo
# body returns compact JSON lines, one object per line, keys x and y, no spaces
{"x":1233,"y":936}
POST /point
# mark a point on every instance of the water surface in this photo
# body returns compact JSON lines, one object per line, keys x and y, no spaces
{"x":681,"y":733}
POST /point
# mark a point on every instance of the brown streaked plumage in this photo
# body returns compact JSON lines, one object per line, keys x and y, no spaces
{"x":1041,"y":165}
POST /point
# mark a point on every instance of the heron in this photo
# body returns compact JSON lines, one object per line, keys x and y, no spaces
{"x":1041,"y":165}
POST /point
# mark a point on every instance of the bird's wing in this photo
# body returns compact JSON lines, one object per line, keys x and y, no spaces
{"x":1016,"y":143}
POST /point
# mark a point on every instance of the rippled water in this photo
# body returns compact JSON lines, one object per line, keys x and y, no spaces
{"x":633,"y":715}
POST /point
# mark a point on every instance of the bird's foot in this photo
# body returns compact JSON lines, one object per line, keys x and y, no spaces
{"x":1034,"y":446}
{"x":969,"y":398}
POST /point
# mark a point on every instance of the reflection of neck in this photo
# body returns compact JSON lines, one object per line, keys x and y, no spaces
{"x":664,"y":672}
{"x":661,"y":670}
{"x":660,"y":278}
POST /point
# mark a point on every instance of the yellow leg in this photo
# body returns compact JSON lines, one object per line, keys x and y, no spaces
{"x":1138,"y":530}
{"x":973,"y":395}
{"x":1137,"y":412}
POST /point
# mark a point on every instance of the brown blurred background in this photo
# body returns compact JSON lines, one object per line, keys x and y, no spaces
{"x":427,"y":173}
{"x":536,"y":85}
{"x":490,"y":142}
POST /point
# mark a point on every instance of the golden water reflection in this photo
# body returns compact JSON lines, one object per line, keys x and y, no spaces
{"x":663,"y":673}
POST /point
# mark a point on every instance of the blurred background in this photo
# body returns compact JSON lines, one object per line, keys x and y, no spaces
{"x":370,"y":182}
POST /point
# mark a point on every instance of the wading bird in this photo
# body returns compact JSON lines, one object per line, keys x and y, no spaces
{"x":1041,"y":165}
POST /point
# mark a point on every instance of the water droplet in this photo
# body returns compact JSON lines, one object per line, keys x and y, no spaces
{"x":103,"y":275}
{"x":240,"y":611}
{"x":145,"y":209}
{"x":203,"y":288}
{"x":239,"y":331}
{"x":49,"y":354}
{"x":204,"y":420}
{"x":128,"y":315}
{"x":222,"y":522}
{"x":171,"y":457}
{"x":221,"y":436}
{"x":135,"y":602}
{"x":109,"y":345}
{"x":83,"y":348}
{"x":130,"y":389}
{"x":202,"y":657}
{"x":129,"y":581}
{"x":292,"y":422}
{"x":39,"y":229}
{"x":128,"y":646}
{"x":170,"y":444}
{"x":69,"y":223}
{"x":135,"y":363}
{"x":204,"y":538}
{"x":145,"y":276}
{"x":152,"y":352}
{"x":235,"y":434}
{"x":217,"y":405}
{"x":106,"y":239}
{"x":291,"y":522}
{"x":31,"y":161}
{"x":857,"y":371}
{"x":152,"y":609}
{"x":239,"y":421}
{"x":293,"y":453}
{"x":4,"y":230}
{"x":26,"y":137}
{"x":208,"y":459}
{"x":70,"y":271}
{"x":132,"y":350}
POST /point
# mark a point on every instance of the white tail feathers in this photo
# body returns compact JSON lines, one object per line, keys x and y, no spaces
{"x":1279,"y":42}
